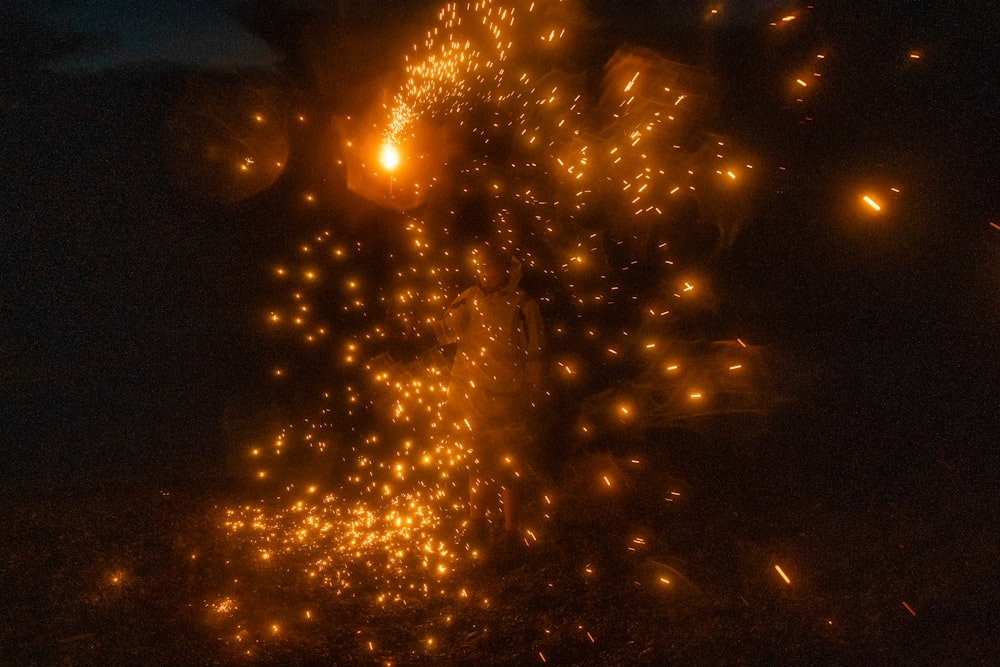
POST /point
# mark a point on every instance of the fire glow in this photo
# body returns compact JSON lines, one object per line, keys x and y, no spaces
{"x":385,"y":523}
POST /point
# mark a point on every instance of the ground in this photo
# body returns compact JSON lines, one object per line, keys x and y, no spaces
{"x":898,"y":570}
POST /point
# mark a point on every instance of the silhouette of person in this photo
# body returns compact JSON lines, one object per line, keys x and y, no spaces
{"x":496,"y":381}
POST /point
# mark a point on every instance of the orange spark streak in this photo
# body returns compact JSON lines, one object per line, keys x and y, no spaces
{"x":871,"y":202}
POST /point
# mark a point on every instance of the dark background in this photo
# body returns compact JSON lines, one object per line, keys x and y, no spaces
{"x":130,"y":309}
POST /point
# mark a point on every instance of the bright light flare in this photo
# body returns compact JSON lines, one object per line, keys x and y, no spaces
{"x":389,"y":156}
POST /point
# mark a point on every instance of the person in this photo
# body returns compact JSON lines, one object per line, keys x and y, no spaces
{"x":495,"y":383}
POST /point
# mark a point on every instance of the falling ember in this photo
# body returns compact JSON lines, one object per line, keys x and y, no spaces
{"x":783,"y":575}
{"x":872,"y":203}
{"x":909,"y":608}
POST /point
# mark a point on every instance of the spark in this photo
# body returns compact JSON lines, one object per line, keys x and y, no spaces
{"x":872,"y":203}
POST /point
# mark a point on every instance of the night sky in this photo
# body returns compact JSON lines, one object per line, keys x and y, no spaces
{"x":112,"y":339}
{"x":125,"y":33}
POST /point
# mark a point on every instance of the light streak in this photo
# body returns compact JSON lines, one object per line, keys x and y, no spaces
{"x":872,"y":203}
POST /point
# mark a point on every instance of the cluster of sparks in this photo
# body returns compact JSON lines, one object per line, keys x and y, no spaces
{"x":391,"y":529}
{"x":590,"y":192}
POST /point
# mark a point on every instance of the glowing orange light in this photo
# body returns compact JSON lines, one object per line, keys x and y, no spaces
{"x":389,"y":156}
{"x":782,"y":573}
{"x":872,"y":203}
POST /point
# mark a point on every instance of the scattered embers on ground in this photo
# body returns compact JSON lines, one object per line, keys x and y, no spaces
{"x":701,"y":568}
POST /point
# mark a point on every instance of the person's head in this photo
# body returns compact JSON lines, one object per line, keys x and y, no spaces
{"x":492,"y":267}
